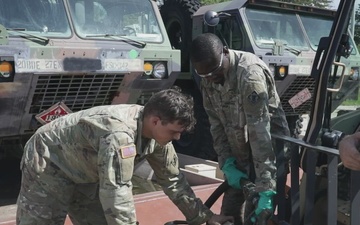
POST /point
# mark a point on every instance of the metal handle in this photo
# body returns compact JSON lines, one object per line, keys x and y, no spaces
{"x":341,"y":77}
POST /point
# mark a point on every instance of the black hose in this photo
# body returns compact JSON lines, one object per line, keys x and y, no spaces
{"x":209,"y":202}
{"x":216,"y":194}
{"x":176,"y":222}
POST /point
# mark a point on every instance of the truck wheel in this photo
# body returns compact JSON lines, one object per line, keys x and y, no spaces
{"x":198,"y":143}
{"x":203,"y":142}
{"x":176,"y":15}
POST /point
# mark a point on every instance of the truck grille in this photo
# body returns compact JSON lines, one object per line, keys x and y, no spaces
{"x":300,"y":83}
{"x":144,"y":97}
{"x":78,"y":92}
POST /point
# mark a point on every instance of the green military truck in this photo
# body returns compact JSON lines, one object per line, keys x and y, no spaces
{"x":315,"y":63}
{"x":75,"y":54}
{"x":284,"y":35}
{"x":61,"y":56}
{"x":316,"y":66}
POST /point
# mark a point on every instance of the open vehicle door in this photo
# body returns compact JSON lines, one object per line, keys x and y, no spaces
{"x":318,"y":155}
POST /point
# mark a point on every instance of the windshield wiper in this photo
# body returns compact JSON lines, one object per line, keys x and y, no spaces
{"x":292,"y":50}
{"x":133,"y":42}
{"x":24,"y":34}
{"x":280,"y":43}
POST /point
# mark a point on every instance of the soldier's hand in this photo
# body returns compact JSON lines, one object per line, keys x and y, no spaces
{"x":233,"y":175}
{"x":219,"y":219}
{"x":264,"y":206}
{"x":349,"y":153}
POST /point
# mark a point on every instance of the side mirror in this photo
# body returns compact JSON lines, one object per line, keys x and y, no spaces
{"x":211,"y":18}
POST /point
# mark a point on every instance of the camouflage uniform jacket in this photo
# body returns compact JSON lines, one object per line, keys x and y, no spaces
{"x":98,"y":146}
{"x":242,"y":113}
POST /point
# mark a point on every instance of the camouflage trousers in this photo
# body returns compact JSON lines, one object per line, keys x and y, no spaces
{"x":46,"y":199}
{"x":232,"y":204}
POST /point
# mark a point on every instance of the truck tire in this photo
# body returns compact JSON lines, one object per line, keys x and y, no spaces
{"x":176,"y":15}
{"x":198,"y":143}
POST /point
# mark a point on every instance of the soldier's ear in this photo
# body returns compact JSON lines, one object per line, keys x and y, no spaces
{"x":225,"y":49}
{"x":155,"y":120}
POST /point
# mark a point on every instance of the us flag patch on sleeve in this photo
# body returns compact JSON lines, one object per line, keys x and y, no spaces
{"x":128,"y":151}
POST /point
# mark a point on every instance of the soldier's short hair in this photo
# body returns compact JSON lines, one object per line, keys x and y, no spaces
{"x":172,"y":105}
{"x":204,"y":46}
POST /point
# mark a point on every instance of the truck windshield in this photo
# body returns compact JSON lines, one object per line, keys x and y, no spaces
{"x":267,"y":27}
{"x":318,"y":27}
{"x":133,"y":18}
{"x":38,"y":17}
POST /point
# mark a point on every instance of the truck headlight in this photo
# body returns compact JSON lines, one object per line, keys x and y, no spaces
{"x":159,"y":70}
{"x":278,"y":71}
{"x":148,"y":68}
{"x":282,"y":71}
{"x":5,"y":69}
{"x":272,"y":69}
{"x":155,"y":69}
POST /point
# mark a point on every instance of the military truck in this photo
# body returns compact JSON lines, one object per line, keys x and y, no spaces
{"x":77,"y":54}
{"x":318,"y":55}
{"x":61,"y":56}
{"x":284,"y":35}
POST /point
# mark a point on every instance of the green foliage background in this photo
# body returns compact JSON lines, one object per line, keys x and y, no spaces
{"x":357,"y":26}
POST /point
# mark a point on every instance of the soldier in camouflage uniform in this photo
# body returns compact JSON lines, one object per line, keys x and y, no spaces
{"x":82,"y":164}
{"x":240,"y":98}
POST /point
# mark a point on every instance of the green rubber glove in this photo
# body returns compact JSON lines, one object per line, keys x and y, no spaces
{"x":233,"y":174}
{"x":265,"y":202}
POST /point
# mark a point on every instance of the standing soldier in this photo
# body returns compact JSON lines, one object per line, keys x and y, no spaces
{"x":244,"y":108}
{"x":82,"y":164}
